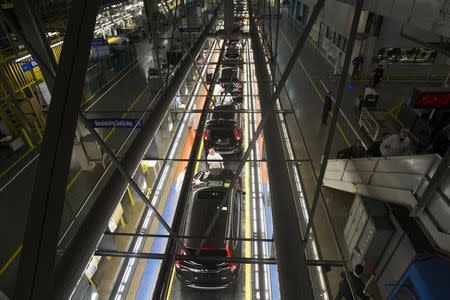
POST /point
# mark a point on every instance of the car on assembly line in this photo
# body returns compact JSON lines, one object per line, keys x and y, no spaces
{"x":230,"y":79}
{"x":202,"y":268}
{"x":223,"y":129}
{"x":233,"y":54}
{"x":229,"y":75}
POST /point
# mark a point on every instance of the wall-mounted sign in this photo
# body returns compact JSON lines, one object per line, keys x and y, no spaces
{"x":439,"y":98}
{"x":115,"y":123}
{"x":29,"y":65}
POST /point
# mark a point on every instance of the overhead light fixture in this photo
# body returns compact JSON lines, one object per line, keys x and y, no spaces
{"x":29,"y":55}
{"x":23,"y":58}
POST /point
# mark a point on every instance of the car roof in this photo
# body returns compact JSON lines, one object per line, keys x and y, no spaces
{"x":230,"y":114}
{"x":203,"y":207}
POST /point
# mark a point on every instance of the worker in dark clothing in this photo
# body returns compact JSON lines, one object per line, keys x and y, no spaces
{"x":327,"y":105}
{"x":357,"y":61}
{"x":354,"y":151}
{"x":441,"y":142}
{"x":377,"y":75}
{"x":357,"y":285}
{"x":374,"y":149}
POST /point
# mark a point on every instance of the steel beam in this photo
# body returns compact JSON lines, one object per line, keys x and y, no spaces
{"x":185,"y":237}
{"x":290,"y":248}
{"x":124,"y":173}
{"x":34,"y":32}
{"x":241,"y":260}
{"x":221,"y":34}
{"x":85,"y":241}
{"x":336,"y":108}
{"x":228,"y":16}
{"x":36,"y":270}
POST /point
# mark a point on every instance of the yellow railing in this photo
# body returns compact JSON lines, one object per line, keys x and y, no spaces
{"x":9,"y":116}
{"x":17,"y":78}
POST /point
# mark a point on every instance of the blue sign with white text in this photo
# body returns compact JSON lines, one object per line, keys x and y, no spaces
{"x":115,"y":123}
{"x":27,"y":66}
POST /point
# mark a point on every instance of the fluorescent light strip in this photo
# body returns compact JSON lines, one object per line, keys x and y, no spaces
{"x":259,"y":223}
{"x":262,"y":216}
{"x":29,"y":55}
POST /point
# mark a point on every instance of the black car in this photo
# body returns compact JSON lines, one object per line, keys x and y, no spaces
{"x":234,"y":46}
{"x":230,"y":79}
{"x":233,"y":52}
{"x":223,"y":129}
{"x":229,"y":75}
{"x":232,"y":61}
{"x":208,"y":192}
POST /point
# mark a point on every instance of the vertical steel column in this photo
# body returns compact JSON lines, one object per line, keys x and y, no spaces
{"x":290,"y":249}
{"x":85,"y":241}
{"x":228,"y":16}
{"x":36,"y":270}
{"x":337,"y":107}
{"x":34,"y":32}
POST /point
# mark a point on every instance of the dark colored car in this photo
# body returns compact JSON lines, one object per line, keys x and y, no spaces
{"x":208,"y":192}
{"x":234,"y":49}
{"x":233,"y":61}
{"x":223,"y":129}
{"x":230,"y":79}
{"x":229,"y":75}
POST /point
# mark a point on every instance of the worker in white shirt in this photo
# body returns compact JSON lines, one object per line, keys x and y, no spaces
{"x":217,"y":94}
{"x":397,"y":144}
{"x":215,"y":160}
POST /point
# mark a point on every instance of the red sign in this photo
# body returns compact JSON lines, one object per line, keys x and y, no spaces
{"x":432,"y":100}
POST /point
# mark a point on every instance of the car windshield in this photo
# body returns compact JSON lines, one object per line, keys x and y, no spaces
{"x":224,"y":112}
{"x":228,"y":73}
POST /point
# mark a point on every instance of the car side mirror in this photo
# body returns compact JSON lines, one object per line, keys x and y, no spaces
{"x":241,"y":192}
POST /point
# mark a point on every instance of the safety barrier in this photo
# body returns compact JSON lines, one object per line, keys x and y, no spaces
{"x":18,"y":79}
{"x":8,"y":114}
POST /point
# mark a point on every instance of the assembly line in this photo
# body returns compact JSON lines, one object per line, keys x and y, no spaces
{"x":223,"y":149}
{"x":137,"y":276}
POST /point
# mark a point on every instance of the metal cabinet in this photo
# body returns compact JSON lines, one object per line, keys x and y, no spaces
{"x":367,"y":231}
